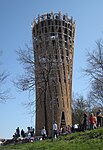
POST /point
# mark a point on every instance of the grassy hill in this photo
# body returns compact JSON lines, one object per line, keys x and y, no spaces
{"x":88,"y":140}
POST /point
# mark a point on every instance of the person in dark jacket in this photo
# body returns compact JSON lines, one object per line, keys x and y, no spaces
{"x":99,"y":118}
{"x":85,"y":122}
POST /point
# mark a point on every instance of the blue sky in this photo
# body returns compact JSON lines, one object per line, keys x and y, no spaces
{"x":16,"y":17}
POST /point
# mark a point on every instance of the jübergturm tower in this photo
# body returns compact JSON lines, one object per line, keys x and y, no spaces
{"x":53,"y":42}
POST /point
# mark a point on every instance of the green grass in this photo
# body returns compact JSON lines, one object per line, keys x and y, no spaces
{"x":89,"y":140}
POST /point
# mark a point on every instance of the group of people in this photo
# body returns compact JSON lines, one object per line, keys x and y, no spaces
{"x":56,"y":131}
{"x":92,"y":122}
{"x":23,"y":134}
{"x":95,"y":120}
{"x":44,"y":132}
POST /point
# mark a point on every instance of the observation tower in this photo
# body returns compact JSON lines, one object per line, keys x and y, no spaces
{"x":53,"y":42}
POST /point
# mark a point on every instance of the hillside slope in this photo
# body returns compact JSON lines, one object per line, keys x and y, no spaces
{"x":88,"y":140}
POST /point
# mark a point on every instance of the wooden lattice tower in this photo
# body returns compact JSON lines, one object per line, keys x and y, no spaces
{"x":53,"y":42}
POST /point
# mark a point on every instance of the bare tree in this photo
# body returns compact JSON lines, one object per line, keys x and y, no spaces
{"x":3,"y":93}
{"x":27,"y":80}
{"x":37,"y":78}
{"x":79,"y":107}
{"x":94,"y":71}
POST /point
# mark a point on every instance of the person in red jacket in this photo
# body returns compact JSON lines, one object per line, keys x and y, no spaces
{"x":92,"y":121}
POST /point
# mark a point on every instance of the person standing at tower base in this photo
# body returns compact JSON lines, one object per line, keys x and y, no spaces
{"x":55,"y":128}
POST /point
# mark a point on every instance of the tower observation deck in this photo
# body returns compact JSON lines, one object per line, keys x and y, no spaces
{"x":53,"y":42}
